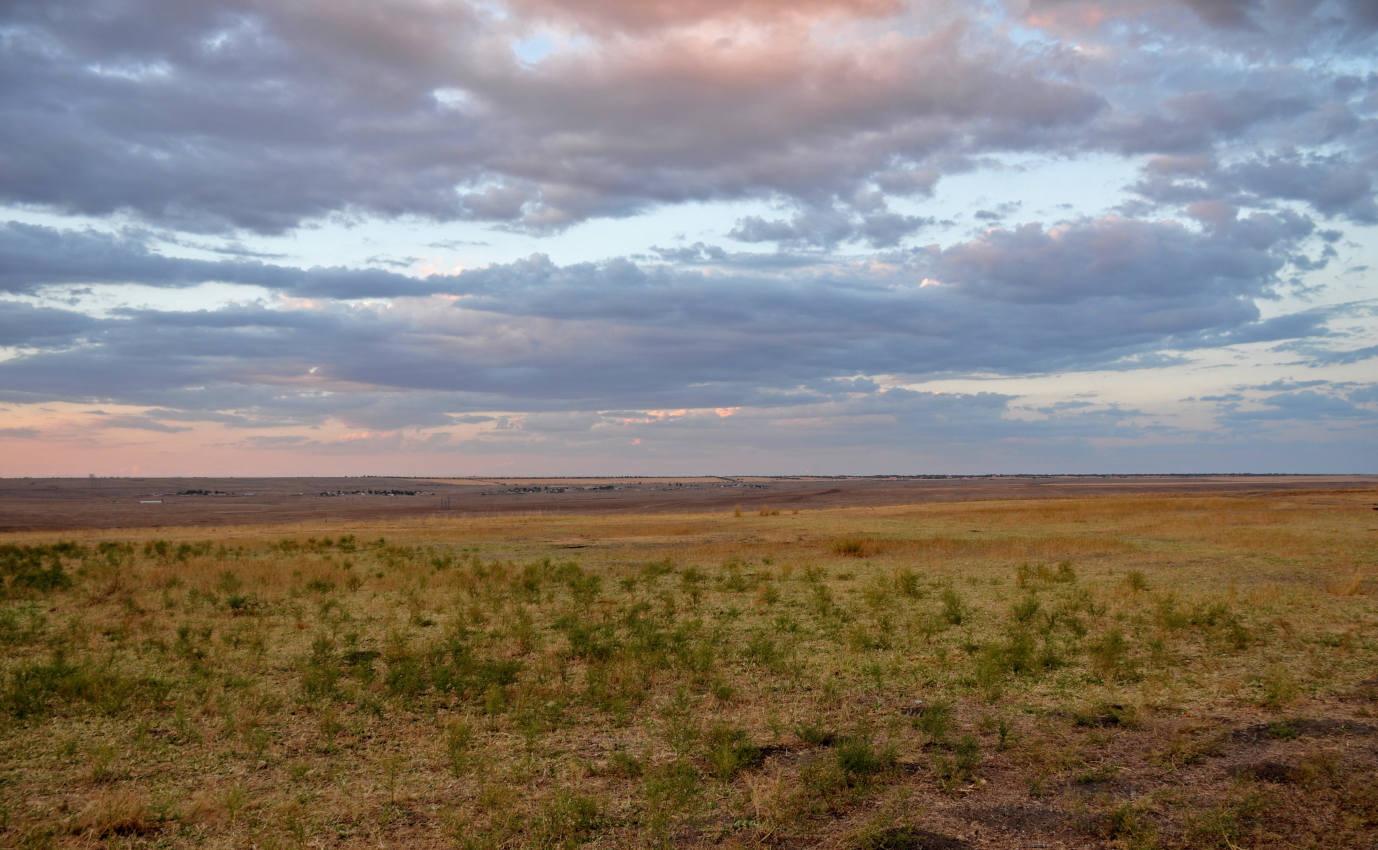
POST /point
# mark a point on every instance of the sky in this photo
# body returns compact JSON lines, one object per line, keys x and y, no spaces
{"x":677,"y":237}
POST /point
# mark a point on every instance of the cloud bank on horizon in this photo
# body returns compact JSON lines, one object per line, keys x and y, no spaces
{"x":606,"y":236}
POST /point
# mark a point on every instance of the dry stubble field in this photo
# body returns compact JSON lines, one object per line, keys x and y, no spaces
{"x":1125,"y":671}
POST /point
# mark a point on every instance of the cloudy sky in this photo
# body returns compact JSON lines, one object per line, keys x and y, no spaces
{"x":688,"y":236}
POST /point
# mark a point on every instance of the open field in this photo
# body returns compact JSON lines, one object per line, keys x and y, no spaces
{"x":1175,"y":669}
{"x":72,"y":503}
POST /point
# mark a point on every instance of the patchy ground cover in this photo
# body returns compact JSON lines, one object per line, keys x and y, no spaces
{"x":1130,"y":671}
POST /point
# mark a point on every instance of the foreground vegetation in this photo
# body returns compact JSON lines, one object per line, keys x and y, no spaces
{"x":1135,"y":672}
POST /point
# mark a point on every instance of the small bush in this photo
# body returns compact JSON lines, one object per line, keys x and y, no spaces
{"x":854,"y":547}
{"x":954,"y":611}
{"x":1110,"y":655}
{"x":567,"y":820}
{"x":459,"y":738}
{"x":935,"y":722}
{"x":1279,"y":687}
{"x":957,"y":767}
{"x":815,"y":735}
{"x":907,"y":583}
{"x":1128,"y":824}
{"x":729,"y":751}
{"x":859,"y":758}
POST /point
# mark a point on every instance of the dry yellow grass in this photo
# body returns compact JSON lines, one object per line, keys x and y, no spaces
{"x":1089,"y":672}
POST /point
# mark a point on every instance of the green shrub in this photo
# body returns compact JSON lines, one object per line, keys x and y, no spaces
{"x":1110,"y":655}
{"x":957,"y":767}
{"x":859,"y":759}
{"x":907,"y":583}
{"x":954,"y":611}
{"x":567,"y":821}
{"x":729,"y":751}
{"x":935,"y":722}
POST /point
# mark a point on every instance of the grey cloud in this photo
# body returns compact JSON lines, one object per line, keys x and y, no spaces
{"x":258,"y":116}
{"x":757,"y":229}
{"x":241,"y":115}
{"x":1246,"y":22}
{"x":1306,"y":406}
{"x":250,"y":107}
{"x":272,"y":441}
{"x":535,"y":336}
{"x":1341,"y":358}
{"x":33,"y":256}
{"x":24,"y":324}
{"x":827,"y":227}
{"x":19,"y":433}
{"x":598,"y":14}
{"x":877,"y":423}
{"x":886,"y":229}
{"x":1331,"y":185}
{"x":694,"y":254}
{"x":141,"y":423}
{"x":1287,"y":385}
{"x":1187,"y":125}
{"x":1306,"y":324}
{"x":1227,"y":13}
{"x":1124,"y":257}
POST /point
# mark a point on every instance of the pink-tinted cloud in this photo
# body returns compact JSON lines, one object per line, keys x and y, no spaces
{"x":697,"y":116}
{"x":1084,"y":15}
{"x":641,"y":15}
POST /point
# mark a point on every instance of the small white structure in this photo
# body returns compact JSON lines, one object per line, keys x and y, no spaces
{"x":150,"y":501}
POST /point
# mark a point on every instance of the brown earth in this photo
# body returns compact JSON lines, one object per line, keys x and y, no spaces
{"x":71,"y":503}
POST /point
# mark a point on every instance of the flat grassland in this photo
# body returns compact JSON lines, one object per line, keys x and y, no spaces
{"x":1175,"y":670}
{"x":28,"y":504}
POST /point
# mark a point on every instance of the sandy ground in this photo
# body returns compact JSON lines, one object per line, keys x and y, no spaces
{"x":70,"y":503}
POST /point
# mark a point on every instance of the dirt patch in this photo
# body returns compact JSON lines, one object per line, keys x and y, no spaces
{"x":1021,"y":819}
{"x":1367,"y":690}
{"x":1270,"y":771}
{"x":1301,"y":727}
{"x":911,"y":838}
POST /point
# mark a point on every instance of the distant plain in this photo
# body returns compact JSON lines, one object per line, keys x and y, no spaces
{"x":73,"y":503}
